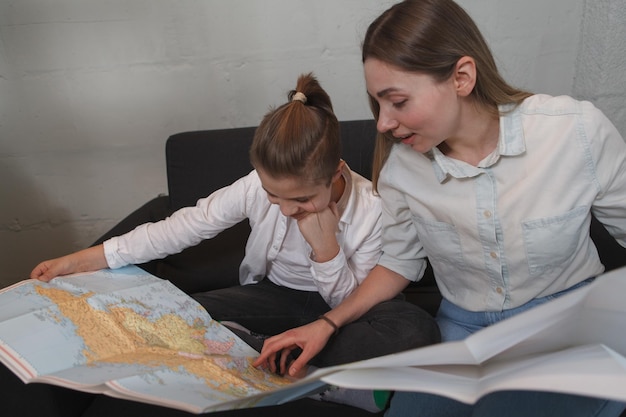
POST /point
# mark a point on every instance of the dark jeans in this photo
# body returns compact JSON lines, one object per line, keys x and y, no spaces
{"x":264,"y":308}
{"x":269,"y":309}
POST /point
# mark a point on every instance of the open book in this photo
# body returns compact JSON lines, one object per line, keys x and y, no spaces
{"x":128,"y":334}
{"x":573,"y":344}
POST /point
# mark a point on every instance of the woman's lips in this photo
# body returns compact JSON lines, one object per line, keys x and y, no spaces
{"x":407,"y":140}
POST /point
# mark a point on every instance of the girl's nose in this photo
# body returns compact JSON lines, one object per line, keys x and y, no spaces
{"x":288,"y":208}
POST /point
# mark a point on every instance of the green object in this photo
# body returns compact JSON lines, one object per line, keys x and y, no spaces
{"x":381,"y":398}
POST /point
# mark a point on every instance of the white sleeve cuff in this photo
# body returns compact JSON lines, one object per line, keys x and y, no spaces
{"x":111,"y":253}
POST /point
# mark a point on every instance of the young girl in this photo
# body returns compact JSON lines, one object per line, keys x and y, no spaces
{"x":494,"y":185}
{"x":315,"y":234}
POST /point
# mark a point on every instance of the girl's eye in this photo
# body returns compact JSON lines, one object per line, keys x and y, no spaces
{"x":303,"y":200}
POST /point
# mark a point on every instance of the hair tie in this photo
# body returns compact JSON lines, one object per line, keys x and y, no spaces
{"x":299,"y":97}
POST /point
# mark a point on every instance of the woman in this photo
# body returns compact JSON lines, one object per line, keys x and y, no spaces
{"x":494,"y":185}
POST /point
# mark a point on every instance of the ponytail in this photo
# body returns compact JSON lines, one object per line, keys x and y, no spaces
{"x":301,"y":138}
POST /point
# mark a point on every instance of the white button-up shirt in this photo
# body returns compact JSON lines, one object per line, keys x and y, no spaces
{"x":516,"y":226}
{"x":275,"y":247}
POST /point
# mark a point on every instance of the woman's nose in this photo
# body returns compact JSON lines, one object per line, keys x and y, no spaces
{"x":385,"y":123}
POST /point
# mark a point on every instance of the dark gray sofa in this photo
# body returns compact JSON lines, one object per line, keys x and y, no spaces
{"x":198,"y":163}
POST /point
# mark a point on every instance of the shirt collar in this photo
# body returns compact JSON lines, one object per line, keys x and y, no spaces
{"x":510,"y":143}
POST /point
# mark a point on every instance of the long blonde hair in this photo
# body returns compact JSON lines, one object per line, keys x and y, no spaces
{"x":429,"y":37}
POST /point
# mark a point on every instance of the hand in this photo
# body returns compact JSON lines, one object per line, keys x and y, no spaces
{"x":90,"y":259}
{"x":319,"y":229}
{"x":52,"y":268}
{"x":311,"y":338}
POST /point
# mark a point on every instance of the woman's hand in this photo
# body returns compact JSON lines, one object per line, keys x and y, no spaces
{"x":311,"y":338}
{"x":90,"y":259}
{"x":380,"y":285}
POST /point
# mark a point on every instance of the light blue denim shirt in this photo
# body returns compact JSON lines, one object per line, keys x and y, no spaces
{"x":516,"y":226}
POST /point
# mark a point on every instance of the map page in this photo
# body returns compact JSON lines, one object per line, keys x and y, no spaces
{"x":128,"y":334}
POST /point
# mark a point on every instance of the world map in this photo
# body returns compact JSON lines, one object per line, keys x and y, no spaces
{"x":128,"y":334}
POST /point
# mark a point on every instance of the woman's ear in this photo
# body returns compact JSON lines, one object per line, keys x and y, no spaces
{"x":465,"y":76}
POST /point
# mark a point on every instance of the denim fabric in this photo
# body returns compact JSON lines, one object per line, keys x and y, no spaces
{"x":456,"y":323}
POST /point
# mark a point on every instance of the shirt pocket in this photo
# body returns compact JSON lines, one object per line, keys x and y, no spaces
{"x":552,"y":241}
{"x":441,"y":242}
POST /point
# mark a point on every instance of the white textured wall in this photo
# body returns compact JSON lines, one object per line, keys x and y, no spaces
{"x":90,"y":90}
{"x":601,"y":66}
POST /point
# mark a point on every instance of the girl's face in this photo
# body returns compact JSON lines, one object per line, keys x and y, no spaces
{"x":414,"y":108}
{"x":296,"y":197}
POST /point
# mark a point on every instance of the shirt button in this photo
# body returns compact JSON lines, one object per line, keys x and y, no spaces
{"x":487,"y":214}
{"x":493,"y":255}
{"x":499,"y":290}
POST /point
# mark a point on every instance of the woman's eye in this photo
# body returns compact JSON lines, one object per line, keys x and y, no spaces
{"x":303,"y":200}
{"x":399,"y":104}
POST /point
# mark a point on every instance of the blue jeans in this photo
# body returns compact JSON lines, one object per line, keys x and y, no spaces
{"x":456,"y":323}
{"x":269,"y":309}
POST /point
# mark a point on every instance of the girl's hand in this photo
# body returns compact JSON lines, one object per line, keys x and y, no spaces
{"x":90,"y":259}
{"x":319,"y":230}
{"x":52,"y":268}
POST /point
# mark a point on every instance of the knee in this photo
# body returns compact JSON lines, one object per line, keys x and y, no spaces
{"x":411,"y":325}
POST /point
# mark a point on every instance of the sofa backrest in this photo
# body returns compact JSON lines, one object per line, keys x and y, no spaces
{"x":200,"y":162}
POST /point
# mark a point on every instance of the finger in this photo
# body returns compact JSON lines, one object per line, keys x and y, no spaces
{"x":284,"y":356}
{"x":271,"y":347}
{"x":48,"y":275}
{"x":271,"y":363}
{"x":45,"y":278}
{"x":41,"y":272}
{"x":297,"y":365}
{"x":35,"y":274}
{"x":267,"y":359}
{"x":261,"y":361}
{"x":37,"y":271}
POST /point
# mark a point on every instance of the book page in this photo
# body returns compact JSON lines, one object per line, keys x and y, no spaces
{"x":572,"y":344}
